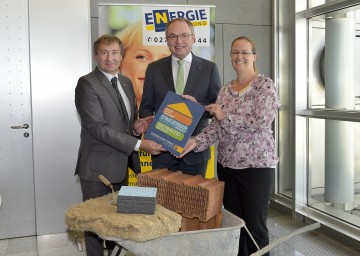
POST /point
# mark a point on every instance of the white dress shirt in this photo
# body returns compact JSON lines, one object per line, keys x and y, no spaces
{"x":175,"y":67}
{"x":125,"y":99}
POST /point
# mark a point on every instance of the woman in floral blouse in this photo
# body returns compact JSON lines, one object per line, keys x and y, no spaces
{"x":242,"y":118}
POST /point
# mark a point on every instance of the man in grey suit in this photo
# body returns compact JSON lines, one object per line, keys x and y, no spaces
{"x":202,"y":84}
{"x":106,"y":103}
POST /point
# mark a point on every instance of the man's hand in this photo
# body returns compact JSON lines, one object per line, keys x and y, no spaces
{"x":189,"y":97}
{"x":142,"y":124}
{"x":151,"y":147}
{"x":190,"y":145}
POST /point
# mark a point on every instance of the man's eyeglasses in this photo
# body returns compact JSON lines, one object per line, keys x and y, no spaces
{"x":183,"y":37}
{"x":244,"y":53}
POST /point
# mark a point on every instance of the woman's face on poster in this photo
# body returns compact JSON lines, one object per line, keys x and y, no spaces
{"x":135,"y":62}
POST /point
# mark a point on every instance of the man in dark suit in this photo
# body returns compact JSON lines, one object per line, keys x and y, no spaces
{"x":202,"y":84}
{"x":106,"y":103}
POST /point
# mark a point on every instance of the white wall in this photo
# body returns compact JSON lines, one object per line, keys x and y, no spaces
{"x":60,"y":52}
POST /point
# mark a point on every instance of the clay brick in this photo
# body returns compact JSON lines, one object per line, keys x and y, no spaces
{"x":197,"y":199}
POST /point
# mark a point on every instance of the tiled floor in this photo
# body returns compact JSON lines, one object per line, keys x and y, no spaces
{"x":311,"y":243}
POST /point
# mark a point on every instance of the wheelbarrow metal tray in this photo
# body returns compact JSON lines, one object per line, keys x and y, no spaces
{"x":221,"y":241}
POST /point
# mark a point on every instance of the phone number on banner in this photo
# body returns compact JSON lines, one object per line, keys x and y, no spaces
{"x":162,"y":39}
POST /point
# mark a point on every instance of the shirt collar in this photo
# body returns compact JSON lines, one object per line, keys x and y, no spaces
{"x":108,"y":75}
{"x":187,"y":58}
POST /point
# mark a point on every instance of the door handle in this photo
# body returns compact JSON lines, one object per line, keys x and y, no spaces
{"x":24,"y":126}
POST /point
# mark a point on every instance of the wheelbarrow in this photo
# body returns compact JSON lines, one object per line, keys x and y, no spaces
{"x":209,"y":242}
{"x":219,"y":241}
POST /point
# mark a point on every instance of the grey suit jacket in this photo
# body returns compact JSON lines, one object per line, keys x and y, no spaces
{"x":203,"y":83}
{"x":107,"y":138}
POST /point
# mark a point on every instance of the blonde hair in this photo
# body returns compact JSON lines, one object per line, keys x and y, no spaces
{"x":132,"y":35}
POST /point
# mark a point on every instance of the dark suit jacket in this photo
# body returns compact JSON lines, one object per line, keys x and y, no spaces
{"x":203,"y":83}
{"x":107,"y":138}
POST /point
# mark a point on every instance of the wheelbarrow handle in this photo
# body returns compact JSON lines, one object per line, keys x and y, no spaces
{"x":283,"y":238}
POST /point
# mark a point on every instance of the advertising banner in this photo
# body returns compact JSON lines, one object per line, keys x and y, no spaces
{"x":142,"y":30}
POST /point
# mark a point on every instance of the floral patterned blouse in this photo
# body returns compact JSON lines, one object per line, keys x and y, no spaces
{"x":245,"y":136}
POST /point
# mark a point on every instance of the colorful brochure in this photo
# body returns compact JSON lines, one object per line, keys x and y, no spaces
{"x":174,"y":122}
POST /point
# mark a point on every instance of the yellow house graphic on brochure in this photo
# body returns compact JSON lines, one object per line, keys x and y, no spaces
{"x":174,"y":121}
{"x":182,"y":108}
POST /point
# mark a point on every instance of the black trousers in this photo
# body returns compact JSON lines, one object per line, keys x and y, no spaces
{"x":247,"y":194}
{"x":166,"y":160}
{"x":91,"y":189}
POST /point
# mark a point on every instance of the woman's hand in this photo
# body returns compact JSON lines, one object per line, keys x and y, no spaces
{"x":190,"y":145}
{"x":215,"y":110}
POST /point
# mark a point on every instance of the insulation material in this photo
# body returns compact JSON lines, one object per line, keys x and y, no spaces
{"x":99,"y":215}
{"x":138,"y":200}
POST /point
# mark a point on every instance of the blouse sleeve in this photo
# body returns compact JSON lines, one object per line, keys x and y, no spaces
{"x":210,"y":134}
{"x":255,"y":113}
